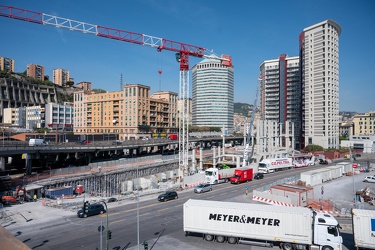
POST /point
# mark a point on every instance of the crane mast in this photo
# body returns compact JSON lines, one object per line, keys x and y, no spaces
{"x":246,"y":156}
{"x":183,"y":51}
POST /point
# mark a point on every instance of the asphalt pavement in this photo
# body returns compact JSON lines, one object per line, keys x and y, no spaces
{"x":29,"y":215}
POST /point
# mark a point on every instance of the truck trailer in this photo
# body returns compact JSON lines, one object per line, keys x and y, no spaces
{"x":272,"y":165}
{"x":363,"y":228}
{"x":242,"y":175}
{"x":261,"y":225}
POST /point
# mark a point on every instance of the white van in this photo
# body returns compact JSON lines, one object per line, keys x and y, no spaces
{"x":37,"y":142}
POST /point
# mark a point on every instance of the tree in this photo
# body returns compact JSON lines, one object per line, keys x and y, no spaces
{"x":313,"y":147}
{"x":99,"y":90}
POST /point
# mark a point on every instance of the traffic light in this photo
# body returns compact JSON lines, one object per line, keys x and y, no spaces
{"x":86,"y":205}
{"x":145,"y":245}
{"x":109,"y":234}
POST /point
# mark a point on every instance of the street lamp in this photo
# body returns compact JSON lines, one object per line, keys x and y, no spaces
{"x":351,"y":163}
{"x":107,"y":240}
{"x":137,"y":208}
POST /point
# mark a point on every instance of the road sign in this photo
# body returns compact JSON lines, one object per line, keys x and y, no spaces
{"x":100,"y":229}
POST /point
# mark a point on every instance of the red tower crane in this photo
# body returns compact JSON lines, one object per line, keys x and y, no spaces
{"x":183,"y":51}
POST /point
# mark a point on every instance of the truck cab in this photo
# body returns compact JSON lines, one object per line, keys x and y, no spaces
{"x":326,"y":231}
{"x":216,"y":176}
{"x":242,"y":175}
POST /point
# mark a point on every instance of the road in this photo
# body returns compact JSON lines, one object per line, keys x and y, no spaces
{"x":160,"y":222}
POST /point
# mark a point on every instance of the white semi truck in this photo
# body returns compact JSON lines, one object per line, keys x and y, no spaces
{"x":262,"y":225}
{"x":363,"y":228}
{"x":272,"y":165}
{"x":216,"y":175}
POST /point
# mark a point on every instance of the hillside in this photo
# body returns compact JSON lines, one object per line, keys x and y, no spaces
{"x":243,"y":109}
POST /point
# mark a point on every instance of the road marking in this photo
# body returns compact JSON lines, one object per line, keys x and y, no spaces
{"x":116,"y":221}
{"x":163,"y":209}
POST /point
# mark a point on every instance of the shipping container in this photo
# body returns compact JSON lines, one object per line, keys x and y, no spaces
{"x":346,"y":167}
{"x":363,"y":228}
{"x":54,"y":193}
{"x":335,"y":172}
{"x":297,"y":194}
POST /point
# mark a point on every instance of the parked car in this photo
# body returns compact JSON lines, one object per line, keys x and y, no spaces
{"x":94,"y":209}
{"x":85,"y":142}
{"x":168,"y":195}
{"x":258,"y":176}
{"x":357,"y":155}
{"x":117,"y":142}
{"x":112,"y":199}
{"x":369,"y":179}
{"x":322,"y":161}
{"x":201,"y":188}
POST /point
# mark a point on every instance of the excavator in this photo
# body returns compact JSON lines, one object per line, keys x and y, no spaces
{"x":13,"y":197}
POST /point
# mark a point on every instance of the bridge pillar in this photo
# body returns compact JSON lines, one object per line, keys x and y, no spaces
{"x":214,"y":156}
{"x":2,"y":164}
{"x":89,"y":158}
{"x":29,"y":163}
{"x":193,"y":161}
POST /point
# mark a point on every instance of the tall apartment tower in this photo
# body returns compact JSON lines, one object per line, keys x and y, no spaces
{"x":35,"y":71}
{"x":280,"y":95}
{"x":6,"y":64}
{"x":61,"y":76}
{"x":213,"y":95}
{"x":319,"y":53}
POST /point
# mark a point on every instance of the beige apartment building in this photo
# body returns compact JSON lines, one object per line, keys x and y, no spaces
{"x":132,"y":113}
{"x":364,"y":124}
{"x":61,"y":76}
{"x":35,"y":71}
{"x":6,"y":64}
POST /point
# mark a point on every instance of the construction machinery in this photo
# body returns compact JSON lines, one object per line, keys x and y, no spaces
{"x":183,"y":52}
{"x":13,"y":197}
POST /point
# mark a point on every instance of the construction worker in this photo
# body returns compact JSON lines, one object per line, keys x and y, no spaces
{"x":35,"y":197}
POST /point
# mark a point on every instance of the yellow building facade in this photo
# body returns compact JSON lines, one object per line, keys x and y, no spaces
{"x":364,"y":124}
{"x":131,"y":113}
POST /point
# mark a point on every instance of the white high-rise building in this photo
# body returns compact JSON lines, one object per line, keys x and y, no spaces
{"x":319,"y":53}
{"x":213,"y":95}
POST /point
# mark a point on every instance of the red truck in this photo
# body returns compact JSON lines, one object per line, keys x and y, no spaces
{"x":242,"y":175}
{"x":173,"y":137}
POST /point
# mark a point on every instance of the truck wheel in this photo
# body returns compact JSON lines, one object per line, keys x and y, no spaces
{"x":287,"y":246}
{"x":232,"y":240}
{"x":209,"y":237}
{"x":326,"y":248}
{"x":220,"y":239}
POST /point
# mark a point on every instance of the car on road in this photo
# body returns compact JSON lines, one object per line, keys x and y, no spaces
{"x":168,"y":195}
{"x":258,"y":176}
{"x":93,"y":209}
{"x":369,"y":179}
{"x":85,"y":142}
{"x":323,"y":162}
{"x":201,"y":188}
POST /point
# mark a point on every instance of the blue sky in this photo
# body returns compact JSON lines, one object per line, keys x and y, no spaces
{"x":249,"y":31}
